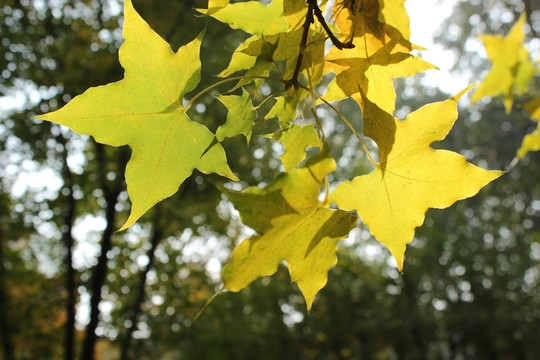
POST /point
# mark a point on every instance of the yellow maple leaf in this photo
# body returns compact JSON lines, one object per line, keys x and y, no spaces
{"x":371,"y":75}
{"x":372,"y":24}
{"x":381,"y":53}
{"x":294,"y":226}
{"x":511,"y":68}
{"x":393,"y":12}
{"x":295,"y":140}
{"x":393,"y":202}
{"x":531,"y":142}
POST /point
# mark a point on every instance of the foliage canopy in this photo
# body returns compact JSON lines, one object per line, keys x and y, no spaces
{"x":147,"y":110}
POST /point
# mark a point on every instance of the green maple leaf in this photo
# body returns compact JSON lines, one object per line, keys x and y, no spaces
{"x":511,"y":68}
{"x":240,"y":118}
{"x":293,"y":225}
{"x":286,"y":106}
{"x":251,"y":16}
{"x":262,"y":51}
{"x":272,"y":41}
{"x":295,"y":140}
{"x":144,"y":110}
{"x":392,"y":200}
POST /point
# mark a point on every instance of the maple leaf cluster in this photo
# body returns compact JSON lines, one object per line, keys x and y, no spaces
{"x":293,"y":220}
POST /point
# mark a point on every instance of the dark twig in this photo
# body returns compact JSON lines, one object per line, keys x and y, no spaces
{"x":313,"y":10}
{"x":309,"y":20}
{"x":337,"y":43}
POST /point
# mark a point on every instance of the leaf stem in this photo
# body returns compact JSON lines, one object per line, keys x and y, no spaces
{"x":513,"y":163}
{"x":201,"y":93}
{"x":320,"y":133}
{"x":204,"y":91}
{"x":299,"y":85}
{"x":267,"y":98}
{"x":346,"y":122}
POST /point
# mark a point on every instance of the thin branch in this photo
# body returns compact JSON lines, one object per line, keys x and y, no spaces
{"x":337,"y":43}
{"x":307,"y":23}
{"x":213,"y":86}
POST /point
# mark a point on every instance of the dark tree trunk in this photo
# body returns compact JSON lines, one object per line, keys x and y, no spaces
{"x":110,"y":192}
{"x":414,"y":317}
{"x":5,"y":331}
{"x":67,"y":238}
{"x":135,"y":309}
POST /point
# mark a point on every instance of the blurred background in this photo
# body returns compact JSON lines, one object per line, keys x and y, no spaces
{"x":72,"y":288}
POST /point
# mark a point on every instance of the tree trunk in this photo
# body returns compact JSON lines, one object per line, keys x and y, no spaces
{"x":67,"y":238}
{"x":135,"y":309}
{"x":110,"y":192}
{"x":5,"y":331}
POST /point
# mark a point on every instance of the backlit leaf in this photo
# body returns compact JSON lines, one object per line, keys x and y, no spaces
{"x":251,"y":16}
{"x":393,"y":12}
{"x":293,"y":226}
{"x":381,"y":52}
{"x":531,"y":142}
{"x":144,"y":110}
{"x":285,"y":107}
{"x":393,"y":202}
{"x":511,"y":68}
{"x":295,"y":139}
{"x":286,"y":37}
{"x":240,"y":118}
{"x":373,"y":75}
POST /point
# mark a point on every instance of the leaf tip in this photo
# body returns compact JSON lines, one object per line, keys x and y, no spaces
{"x":132,"y":219}
{"x":464,"y":91}
{"x":202,"y":33}
{"x":199,"y":313}
{"x":399,"y":261}
{"x":125,"y":226}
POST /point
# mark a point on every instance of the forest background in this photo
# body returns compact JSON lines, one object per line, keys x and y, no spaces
{"x":470,"y":287}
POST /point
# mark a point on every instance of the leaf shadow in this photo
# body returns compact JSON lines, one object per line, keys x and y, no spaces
{"x":332,"y":228}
